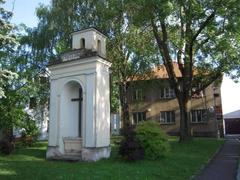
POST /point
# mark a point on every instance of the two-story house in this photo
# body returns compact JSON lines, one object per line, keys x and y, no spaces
{"x":154,"y":99}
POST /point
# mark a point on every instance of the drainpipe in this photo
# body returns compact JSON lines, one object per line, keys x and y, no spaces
{"x":215,"y":118}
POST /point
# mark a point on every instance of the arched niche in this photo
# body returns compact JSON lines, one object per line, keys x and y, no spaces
{"x":99,"y":46}
{"x":71,"y":110}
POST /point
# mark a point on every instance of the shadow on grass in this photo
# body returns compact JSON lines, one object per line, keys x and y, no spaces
{"x":46,"y":170}
{"x":28,"y":154}
{"x":37,"y":153}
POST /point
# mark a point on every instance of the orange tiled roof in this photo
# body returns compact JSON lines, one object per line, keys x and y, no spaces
{"x":160,"y":72}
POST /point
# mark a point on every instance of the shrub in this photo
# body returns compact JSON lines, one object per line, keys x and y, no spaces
{"x":130,"y":148}
{"x":7,"y":147}
{"x":30,"y":132}
{"x":152,"y":139}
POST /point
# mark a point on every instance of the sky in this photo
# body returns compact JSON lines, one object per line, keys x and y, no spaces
{"x":24,"y":12}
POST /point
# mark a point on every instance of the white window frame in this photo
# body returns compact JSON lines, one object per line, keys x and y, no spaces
{"x":167,"y":114}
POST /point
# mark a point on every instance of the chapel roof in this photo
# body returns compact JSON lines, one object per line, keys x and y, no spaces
{"x":89,"y":29}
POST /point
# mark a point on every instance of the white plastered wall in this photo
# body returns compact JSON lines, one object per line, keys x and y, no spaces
{"x":103,"y":108}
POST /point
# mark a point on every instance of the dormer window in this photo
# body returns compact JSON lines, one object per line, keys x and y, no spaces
{"x":99,"y":46}
{"x":82,"y":43}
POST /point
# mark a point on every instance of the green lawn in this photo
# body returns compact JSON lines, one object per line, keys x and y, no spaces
{"x":183,"y":161}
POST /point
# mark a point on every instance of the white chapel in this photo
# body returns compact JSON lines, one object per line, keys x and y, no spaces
{"x":79,"y":127}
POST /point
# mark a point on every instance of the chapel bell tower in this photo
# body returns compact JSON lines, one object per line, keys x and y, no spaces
{"x":79,"y":127}
{"x":91,"y":40}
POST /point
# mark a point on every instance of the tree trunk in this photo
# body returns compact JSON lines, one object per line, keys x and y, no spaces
{"x":124,"y":105}
{"x":185,"y":130}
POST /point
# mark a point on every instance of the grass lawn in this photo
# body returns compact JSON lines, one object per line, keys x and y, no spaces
{"x":183,"y":161}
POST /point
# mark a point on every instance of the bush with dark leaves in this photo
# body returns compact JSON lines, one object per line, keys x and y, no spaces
{"x":130,"y":148}
{"x":7,"y":145}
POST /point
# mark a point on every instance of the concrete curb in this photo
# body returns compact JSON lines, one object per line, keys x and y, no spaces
{"x":208,"y":162}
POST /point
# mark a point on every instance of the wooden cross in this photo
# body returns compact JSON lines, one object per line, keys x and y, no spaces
{"x":77,"y":99}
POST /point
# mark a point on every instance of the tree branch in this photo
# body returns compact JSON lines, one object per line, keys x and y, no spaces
{"x":162,"y":44}
{"x":202,"y":26}
{"x":205,"y":82}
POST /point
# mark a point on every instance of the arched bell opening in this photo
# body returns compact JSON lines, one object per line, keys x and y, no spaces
{"x":99,"y":47}
{"x":82,"y":43}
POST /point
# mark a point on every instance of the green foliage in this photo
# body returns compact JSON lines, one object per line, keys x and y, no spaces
{"x":130,"y":148}
{"x":30,"y":132}
{"x":114,"y":96}
{"x":6,"y":36}
{"x":152,"y":139}
{"x":5,"y":78}
{"x":11,"y":111}
{"x":7,"y":42}
{"x":28,"y":62}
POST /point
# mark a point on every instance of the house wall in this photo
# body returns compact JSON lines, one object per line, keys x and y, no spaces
{"x":152,"y":104}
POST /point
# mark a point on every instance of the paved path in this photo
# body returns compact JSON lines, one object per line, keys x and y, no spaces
{"x":224,"y":165}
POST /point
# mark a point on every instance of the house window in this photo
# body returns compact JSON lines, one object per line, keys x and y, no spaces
{"x":138,"y":117}
{"x":167,"y":93}
{"x":167,"y":117}
{"x":199,"y":115}
{"x":197,"y":95}
{"x":138,"y":95}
